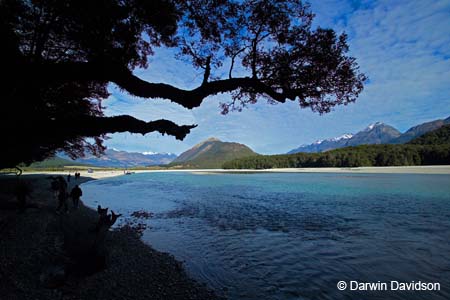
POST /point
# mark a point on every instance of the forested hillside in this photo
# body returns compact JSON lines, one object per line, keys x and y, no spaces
{"x":364,"y":155}
{"x":211,"y":154}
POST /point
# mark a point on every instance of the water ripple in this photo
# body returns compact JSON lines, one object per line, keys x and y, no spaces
{"x":294,"y":236}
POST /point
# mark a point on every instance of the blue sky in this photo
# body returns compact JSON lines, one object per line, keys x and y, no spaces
{"x":403,"y":46}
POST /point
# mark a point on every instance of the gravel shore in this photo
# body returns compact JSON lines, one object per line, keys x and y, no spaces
{"x":31,"y":247}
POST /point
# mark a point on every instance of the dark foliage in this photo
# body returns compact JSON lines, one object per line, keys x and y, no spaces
{"x":365,"y":155}
{"x":59,"y":57}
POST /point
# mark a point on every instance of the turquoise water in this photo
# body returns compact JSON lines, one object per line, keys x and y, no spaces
{"x":294,"y":236}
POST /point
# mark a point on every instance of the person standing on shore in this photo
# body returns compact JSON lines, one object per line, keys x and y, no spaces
{"x":61,"y":183}
{"x":62,"y":195}
{"x":75,"y":194}
{"x":22,"y":191}
{"x":55,"y":188}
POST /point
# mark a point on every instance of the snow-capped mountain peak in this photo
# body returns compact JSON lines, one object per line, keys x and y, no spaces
{"x":376,"y":133}
{"x":318,"y":142}
{"x":158,"y":153}
{"x":345,"y":136}
{"x":149,"y":153}
{"x":372,"y":126}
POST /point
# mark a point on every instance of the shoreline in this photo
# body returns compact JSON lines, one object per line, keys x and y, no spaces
{"x":431,"y":170}
{"x":32,"y":245}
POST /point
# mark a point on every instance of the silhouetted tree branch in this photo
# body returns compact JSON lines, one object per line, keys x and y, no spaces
{"x":125,"y":79}
{"x":44,"y":136}
{"x":60,"y":56}
{"x":95,"y":126}
{"x":207,"y":70}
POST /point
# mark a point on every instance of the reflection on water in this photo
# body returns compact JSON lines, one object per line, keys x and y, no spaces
{"x":294,"y":236}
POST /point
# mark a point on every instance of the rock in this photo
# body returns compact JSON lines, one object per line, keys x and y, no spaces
{"x":142,"y":214}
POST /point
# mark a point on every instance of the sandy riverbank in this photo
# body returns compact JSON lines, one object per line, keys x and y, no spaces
{"x":375,"y":170}
{"x":359,"y":170}
{"x":32,"y":246}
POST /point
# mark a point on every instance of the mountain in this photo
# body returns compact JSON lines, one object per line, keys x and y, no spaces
{"x":324,"y":145}
{"x":123,"y":159}
{"x":419,"y":130}
{"x":377,"y":133}
{"x":211,"y":154}
{"x":440,"y":136}
{"x":54,"y":162}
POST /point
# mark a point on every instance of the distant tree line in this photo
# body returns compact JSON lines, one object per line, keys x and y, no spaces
{"x":364,"y":155}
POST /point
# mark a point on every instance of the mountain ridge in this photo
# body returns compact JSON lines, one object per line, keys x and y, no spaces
{"x":375,"y":133}
{"x":123,"y":159}
{"x":419,"y":130}
{"x":440,"y":136}
{"x":212,"y":152}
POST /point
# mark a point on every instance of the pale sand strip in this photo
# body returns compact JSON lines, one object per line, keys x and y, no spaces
{"x":374,"y":170}
{"x":361,"y":170}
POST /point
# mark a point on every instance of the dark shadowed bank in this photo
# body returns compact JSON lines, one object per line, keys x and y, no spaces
{"x":34,"y":264}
